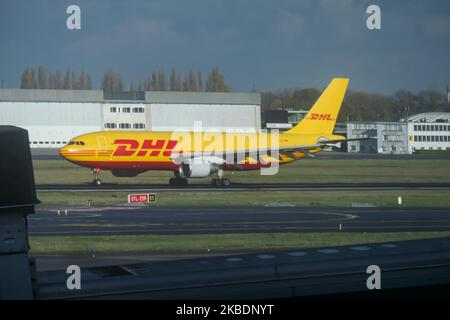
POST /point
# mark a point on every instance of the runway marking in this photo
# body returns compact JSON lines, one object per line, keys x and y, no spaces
{"x":360,"y":248}
{"x":52,"y":217}
{"x":297,"y":254}
{"x":96,"y":209}
{"x":265,"y":256}
{"x":389,"y":245}
{"x":233,"y":259}
{"x":219,"y":230}
{"x":328,"y":251}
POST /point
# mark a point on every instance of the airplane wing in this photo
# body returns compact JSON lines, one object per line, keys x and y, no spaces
{"x":324,"y":142}
{"x":218,"y":157}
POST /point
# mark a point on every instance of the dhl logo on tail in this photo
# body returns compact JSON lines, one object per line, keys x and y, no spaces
{"x":322,"y":116}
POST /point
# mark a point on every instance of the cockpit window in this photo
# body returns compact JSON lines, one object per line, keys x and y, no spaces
{"x":78,"y":143}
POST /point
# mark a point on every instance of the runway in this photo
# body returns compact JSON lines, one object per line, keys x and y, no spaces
{"x":244,"y":187}
{"x":127,"y":220}
{"x":409,"y":269}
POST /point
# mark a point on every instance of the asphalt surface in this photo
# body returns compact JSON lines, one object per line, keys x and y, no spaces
{"x":128,"y":220}
{"x":407,"y":269}
{"x":245,"y":187}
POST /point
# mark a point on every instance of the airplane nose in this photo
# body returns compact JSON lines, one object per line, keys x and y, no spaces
{"x":64,"y":152}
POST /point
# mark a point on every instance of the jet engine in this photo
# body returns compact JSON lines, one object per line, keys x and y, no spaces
{"x":198,"y":168}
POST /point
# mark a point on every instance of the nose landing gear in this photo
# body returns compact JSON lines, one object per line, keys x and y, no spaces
{"x":96,"y":173}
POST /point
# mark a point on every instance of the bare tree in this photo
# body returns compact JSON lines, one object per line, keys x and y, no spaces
{"x":154,"y":82}
{"x":192,"y":82}
{"x":25,"y":79}
{"x":199,"y":81}
{"x":216,"y":82}
{"x":88,"y":82}
{"x":82,"y":82}
{"x":161,"y":81}
{"x":42,"y":78}
{"x":67,"y":83}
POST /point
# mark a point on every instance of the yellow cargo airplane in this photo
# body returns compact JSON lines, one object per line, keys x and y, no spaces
{"x":201,"y":154}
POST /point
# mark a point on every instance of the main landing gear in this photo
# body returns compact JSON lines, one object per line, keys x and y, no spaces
{"x":220,"y":181}
{"x":178,"y":180}
{"x":96,"y":173}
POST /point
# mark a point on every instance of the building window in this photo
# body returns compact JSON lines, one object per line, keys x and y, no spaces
{"x":113,"y":109}
{"x":138,"y":110}
{"x":138,"y":125}
{"x":110,"y":125}
{"x":126,"y":109}
{"x":124,"y":126}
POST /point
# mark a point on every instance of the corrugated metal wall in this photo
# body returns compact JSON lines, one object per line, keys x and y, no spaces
{"x":51,"y":124}
{"x":53,"y":117}
{"x":166,"y":117}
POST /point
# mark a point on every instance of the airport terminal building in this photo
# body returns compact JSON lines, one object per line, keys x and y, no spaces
{"x":53,"y":117}
{"x":428,"y":131}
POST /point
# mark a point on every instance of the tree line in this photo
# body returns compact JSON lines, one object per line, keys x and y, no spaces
{"x":113,"y":82}
{"x":362,"y":106}
{"x":357,"y":105}
{"x":41,"y":79}
{"x":158,"y":81}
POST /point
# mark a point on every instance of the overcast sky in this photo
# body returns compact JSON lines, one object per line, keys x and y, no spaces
{"x":268,"y":44}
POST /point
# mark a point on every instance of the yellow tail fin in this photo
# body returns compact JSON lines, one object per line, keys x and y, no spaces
{"x":323,"y":114}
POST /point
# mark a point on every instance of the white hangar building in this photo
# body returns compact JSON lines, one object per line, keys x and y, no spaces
{"x":53,"y":117}
{"x":429,"y":131}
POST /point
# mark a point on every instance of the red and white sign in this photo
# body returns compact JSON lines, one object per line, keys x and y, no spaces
{"x":141,"y":198}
